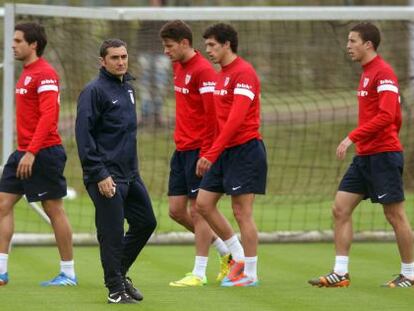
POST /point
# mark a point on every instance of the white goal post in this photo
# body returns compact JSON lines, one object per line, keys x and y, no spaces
{"x":300,"y":13}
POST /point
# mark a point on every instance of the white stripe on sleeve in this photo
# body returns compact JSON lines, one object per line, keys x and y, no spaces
{"x":387,"y":87}
{"x":47,"y":87}
{"x":206,"y":89}
{"x":245,"y":92}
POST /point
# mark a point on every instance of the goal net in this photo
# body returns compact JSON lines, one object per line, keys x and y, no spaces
{"x":308,"y":105}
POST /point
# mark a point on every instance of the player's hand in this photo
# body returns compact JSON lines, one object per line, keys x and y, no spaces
{"x":24,"y":169}
{"x":203,"y":165}
{"x":107,"y":187}
{"x":342,"y":147}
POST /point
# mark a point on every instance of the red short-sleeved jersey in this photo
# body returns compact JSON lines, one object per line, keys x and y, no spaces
{"x":37,"y":107}
{"x":380,"y":118}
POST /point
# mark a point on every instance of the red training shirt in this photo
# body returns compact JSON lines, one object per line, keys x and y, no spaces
{"x":37,"y":107}
{"x":195,"y":114}
{"x":379,"y":120}
{"x":237,"y":102}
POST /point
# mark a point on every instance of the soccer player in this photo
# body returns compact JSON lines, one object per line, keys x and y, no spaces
{"x":194,"y":133}
{"x":106,"y":129}
{"x":376,"y":170}
{"x":35,"y":169}
{"x":236,"y":162}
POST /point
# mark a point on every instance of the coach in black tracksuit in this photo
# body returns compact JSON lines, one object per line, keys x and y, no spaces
{"x":106,"y":129}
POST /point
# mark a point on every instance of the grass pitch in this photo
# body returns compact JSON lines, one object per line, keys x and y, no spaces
{"x":283,"y":269}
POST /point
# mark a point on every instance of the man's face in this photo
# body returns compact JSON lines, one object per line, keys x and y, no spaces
{"x":116,"y":61}
{"x":21,"y":48}
{"x":215,"y":50}
{"x":356,"y":47}
{"x":174,"y":50}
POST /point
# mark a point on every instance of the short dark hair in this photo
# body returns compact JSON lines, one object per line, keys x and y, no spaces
{"x":177,"y":31}
{"x":110,"y":43}
{"x":222,"y":33}
{"x":33,"y":32}
{"x":368,"y":32}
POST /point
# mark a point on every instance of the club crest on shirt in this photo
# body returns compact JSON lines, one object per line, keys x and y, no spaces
{"x":131,"y":95}
{"x":27,"y":80}
{"x":366,"y":81}
{"x":187,"y":78}
{"x":226,"y":81}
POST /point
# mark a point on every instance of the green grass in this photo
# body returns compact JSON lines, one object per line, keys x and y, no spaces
{"x":283,"y":270}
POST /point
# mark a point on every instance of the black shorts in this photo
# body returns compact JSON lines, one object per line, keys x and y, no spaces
{"x":47,"y":181}
{"x":239,"y":170}
{"x":377,"y":176}
{"x":183,"y":179}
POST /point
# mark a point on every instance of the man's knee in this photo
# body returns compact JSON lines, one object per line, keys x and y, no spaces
{"x":206,"y":202}
{"x":6,"y":204}
{"x":241,"y":212}
{"x":202,"y":207}
{"x":341,"y":211}
{"x":178,"y":212}
{"x":395,"y":214}
{"x":53,"y":208}
{"x":195,"y":215}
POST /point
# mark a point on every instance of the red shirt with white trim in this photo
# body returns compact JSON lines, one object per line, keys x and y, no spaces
{"x":196,"y":124}
{"x":237,"y":99}
{"x":37,"y":107}
{"x":380,"y":117}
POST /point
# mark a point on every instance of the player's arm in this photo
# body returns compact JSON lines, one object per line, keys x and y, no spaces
{"x":241,"y":103}
{"x":388,"y":104}
{"x":388,"y":107}
{"x":206,"y":89}
{"x":88,"y":114}
{"x":343,"y":147}
{"x":387,"y":89}
{"x":48,"y":92}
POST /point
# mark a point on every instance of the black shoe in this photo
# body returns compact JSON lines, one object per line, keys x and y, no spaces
{"x":121,"y":297}
{"x":131,"y":290}
{"x":399,"y":281}
{"x":331,"y":280}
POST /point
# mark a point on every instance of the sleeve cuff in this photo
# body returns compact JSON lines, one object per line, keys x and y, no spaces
{"x":101,"y":175}
{"x":32,"y":150}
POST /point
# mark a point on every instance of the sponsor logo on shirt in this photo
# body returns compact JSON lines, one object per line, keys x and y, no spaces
{"x":47,"y":81}
{"x":244,"y":86}
{"x":362,"y":93}
{"x":182,"y":90}
{"x":366,"y":81}
{"x":386,"y":81}
{"x":27,"y":80}
{"x":209,"y":83}
{"x":220,"y":92}
{"x":21,"y":91}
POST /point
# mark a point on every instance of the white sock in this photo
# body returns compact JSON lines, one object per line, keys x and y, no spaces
{"x":236,"y":249}
{"x":250,"y":267}
{"x":221,"y":247}
{"x":68,"y":268}
{"x":200,"y":266}
{"x":3,"y":262}
{"x":407,"y":269}
{"x":341,"y":265}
